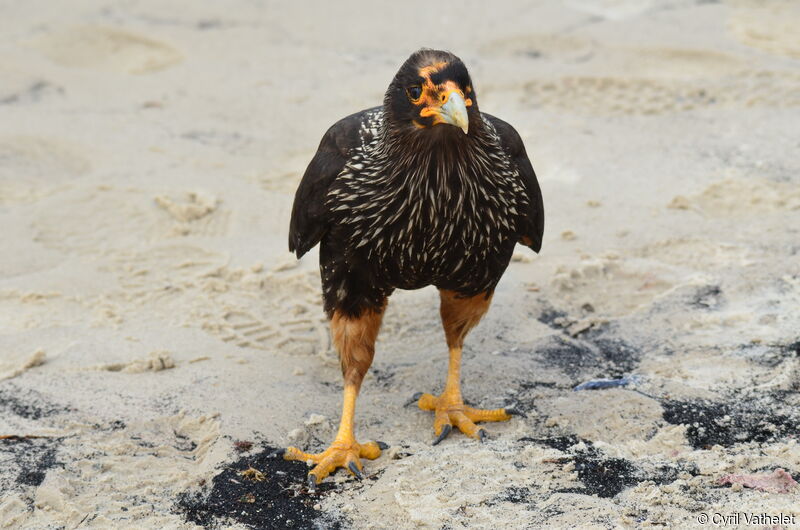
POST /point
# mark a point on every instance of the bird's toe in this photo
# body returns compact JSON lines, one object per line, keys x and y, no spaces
{"x":482,"y":435}
{"x":413,"y":399}
{"x":450,"y":411}
{"x":353,"y":467}
{"x":514,"y":411}
{"x":446,"y":428}
{"x":346,"y":454}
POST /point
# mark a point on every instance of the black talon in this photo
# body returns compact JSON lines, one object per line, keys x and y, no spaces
{"x":277,"y":453}
{"x":442,"y":435}
{"x":514,"y":411}
{"x":413,"y":399}
{"x":482,"y":436}
{"x":382,"y":445}
{"x":357,"y":472}
{"x":312,"y":482}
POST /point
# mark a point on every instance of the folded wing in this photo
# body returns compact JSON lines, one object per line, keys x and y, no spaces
{"x":531,"y":227}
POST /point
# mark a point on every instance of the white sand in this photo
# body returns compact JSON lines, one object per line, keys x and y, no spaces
{"x":151,"y":314}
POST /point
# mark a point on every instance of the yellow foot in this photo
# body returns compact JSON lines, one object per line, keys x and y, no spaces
{"x":339,"y":454}
{"x":450,"y":411}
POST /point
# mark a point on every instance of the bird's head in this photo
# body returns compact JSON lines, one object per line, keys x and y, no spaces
{"x":431,"y":91}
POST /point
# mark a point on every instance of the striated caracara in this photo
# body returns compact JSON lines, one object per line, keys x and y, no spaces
{"x":423,"y":190}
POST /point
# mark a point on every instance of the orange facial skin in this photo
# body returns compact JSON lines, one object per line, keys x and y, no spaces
{"x":433,"y":96}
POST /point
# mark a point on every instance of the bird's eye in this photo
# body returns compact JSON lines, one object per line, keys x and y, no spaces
{"x":414,"y":92}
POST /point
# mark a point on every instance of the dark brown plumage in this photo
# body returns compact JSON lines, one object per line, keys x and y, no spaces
{"x":423,"y":190}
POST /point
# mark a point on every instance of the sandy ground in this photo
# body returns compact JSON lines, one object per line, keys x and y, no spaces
{"x":153,"y":320}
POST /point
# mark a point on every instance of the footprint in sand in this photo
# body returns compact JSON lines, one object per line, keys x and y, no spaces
{"x":619,"y":95}
{"x":300,"y":327}
{"x":277,"y":311}
{"x":108,"y":49}
{"x":696,"y":253}
{"x":676,"y":63}
{"x":653,"y":90}
{"x":742,"y":197}
{"x":160,"y":276}
{"x":648,"y":80}
{"x":273,"y":311}
{"x":195,"y":213}
{"x":303,"y":334}
{"x":768,"y":26}
{"x":30,"y":166}
{"x":592,"y":285}
{"x":614,"y":95}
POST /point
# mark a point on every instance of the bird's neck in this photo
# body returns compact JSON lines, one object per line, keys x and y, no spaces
{"x":440,"y":144}
{"x":430,"y":158}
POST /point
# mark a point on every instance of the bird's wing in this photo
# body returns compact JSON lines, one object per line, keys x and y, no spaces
{"x":532,"y":225}
{"x":309,"y":221}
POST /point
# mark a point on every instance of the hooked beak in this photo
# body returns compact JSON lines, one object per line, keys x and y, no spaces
{"x":454,"y":111}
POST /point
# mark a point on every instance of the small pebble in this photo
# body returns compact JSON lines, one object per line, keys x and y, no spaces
{"x":394,"y":453}
{"x":295,"y":434}
{"x":315,"y":419}
{"x":679,"y":202}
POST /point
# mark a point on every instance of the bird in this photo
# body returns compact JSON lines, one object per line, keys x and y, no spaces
{"x":422,"y":190}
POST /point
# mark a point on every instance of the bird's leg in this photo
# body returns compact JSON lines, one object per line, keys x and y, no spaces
{"x":355,"y":339}
{"x":345,"y":451}
{"x":459,"y":315}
